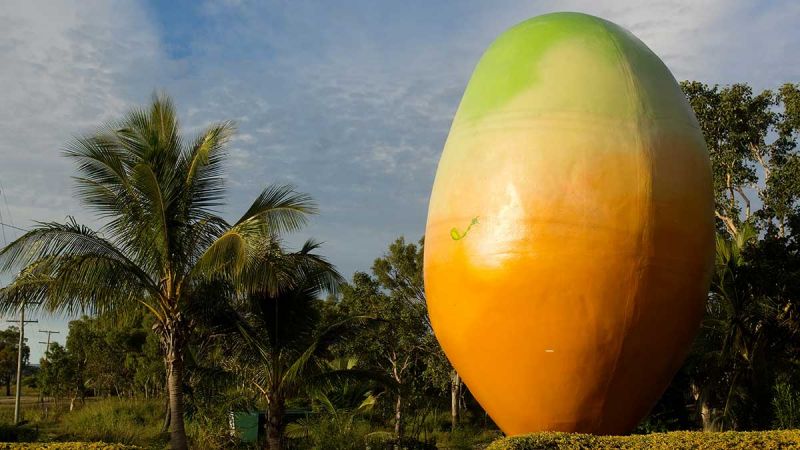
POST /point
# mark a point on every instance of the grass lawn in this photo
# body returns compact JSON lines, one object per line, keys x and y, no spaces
{"x":124,"y":421}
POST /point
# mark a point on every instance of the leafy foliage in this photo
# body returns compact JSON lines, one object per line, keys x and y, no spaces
{"x":9,"y":350}
{"x":787,"y":406}
{"x":58,"y":372}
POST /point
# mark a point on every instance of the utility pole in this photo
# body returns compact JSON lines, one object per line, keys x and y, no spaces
{"x":47,"y":344}
{"x":22,"y":323}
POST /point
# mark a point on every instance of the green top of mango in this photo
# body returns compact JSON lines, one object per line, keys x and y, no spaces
{"x":571,"y":65}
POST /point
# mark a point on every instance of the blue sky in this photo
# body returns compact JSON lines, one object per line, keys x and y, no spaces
{"x":351,"y":101}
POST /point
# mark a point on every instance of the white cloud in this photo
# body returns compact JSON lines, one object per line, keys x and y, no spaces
{"x":67,"y":67}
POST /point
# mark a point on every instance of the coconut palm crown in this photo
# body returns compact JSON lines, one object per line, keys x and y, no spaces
{"x":162,"y":238}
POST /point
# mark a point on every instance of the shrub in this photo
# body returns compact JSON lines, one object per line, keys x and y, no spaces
{"x":18,"y":433}
{"x":212,"y":432}
{"x":339,"y":431}
{"x":677,"y":440}
{"x":786,"y":405}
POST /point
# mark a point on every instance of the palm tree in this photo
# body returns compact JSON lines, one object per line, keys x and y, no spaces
{"x":732,"y":337}
{"x":279,"y":342}
{"x":339,"y":408}
{"x":162,"y":238}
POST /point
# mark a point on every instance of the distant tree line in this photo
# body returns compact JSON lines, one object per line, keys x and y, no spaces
{"x":102,"y":358}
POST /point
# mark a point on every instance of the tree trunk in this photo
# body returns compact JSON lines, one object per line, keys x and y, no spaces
{"x":165,"y":425}
{"x":8,"y":387}
{"x":398,"y":417}
{"x":455,"y":395}
{"x":706,"y":416}
{"x":174,"y":349}
{"x":275,"y":424}
{"x":706,"y":412}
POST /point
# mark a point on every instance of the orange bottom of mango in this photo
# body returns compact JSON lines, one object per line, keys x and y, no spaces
{"x":580,"y":331}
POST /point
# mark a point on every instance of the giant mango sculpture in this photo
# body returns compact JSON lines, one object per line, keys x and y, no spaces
{"x":569,"y":241}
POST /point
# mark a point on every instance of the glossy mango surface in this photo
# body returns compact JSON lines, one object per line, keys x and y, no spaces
{"x":569,"y":242}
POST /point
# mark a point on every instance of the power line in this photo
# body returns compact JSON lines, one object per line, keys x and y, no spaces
{"x":3,"y":228}
{"x":3,"y":225}
{"x":3,"y":193}
{"x":47,"y":344}
{"x":5,"y":200}
{"x":13,"y":226}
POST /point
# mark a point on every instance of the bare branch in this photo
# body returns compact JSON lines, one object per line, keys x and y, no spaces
{"x":728,"y":223}
{"x":760,"y":160}
{"x":746,"y":202}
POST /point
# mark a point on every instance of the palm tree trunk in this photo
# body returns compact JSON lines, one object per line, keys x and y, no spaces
{"x":174,"y":348}
{"x":165,"y":425}
{"x":275,"y":424}
{"x":177,"y":432}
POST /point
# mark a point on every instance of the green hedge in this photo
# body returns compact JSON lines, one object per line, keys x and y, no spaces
{"x":677,"y":440}
{"x":65,"y":446}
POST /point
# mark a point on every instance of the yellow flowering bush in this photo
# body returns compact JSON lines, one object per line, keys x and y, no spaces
{"x":677,"y":440}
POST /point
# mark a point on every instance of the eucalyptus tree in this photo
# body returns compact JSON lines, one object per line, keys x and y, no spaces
{"x":781,"y":164}
{"x":162,"y":238}
{"x":402,"y":347}
{"x":399,"y":272}
{"x":735,"y":123}
{"x":57,"y":376}
{"x":752,"y":141}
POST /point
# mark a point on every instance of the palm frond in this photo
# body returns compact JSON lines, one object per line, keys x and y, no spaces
{"x":103,"y":165}
{"x":279,"y":208}
{"x":75,"y":284}
{"x":327,"y":380}
{"x":203,"y":167}
{"x":156,"y":224}
{"x":227,"y":255}
{"x":332,"y":334}
{"x":273,"y":271}
{"x":315,"y":268}
{"x":53,"y":240}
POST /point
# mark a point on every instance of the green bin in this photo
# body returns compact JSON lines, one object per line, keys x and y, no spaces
{"x":246,"y":425}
